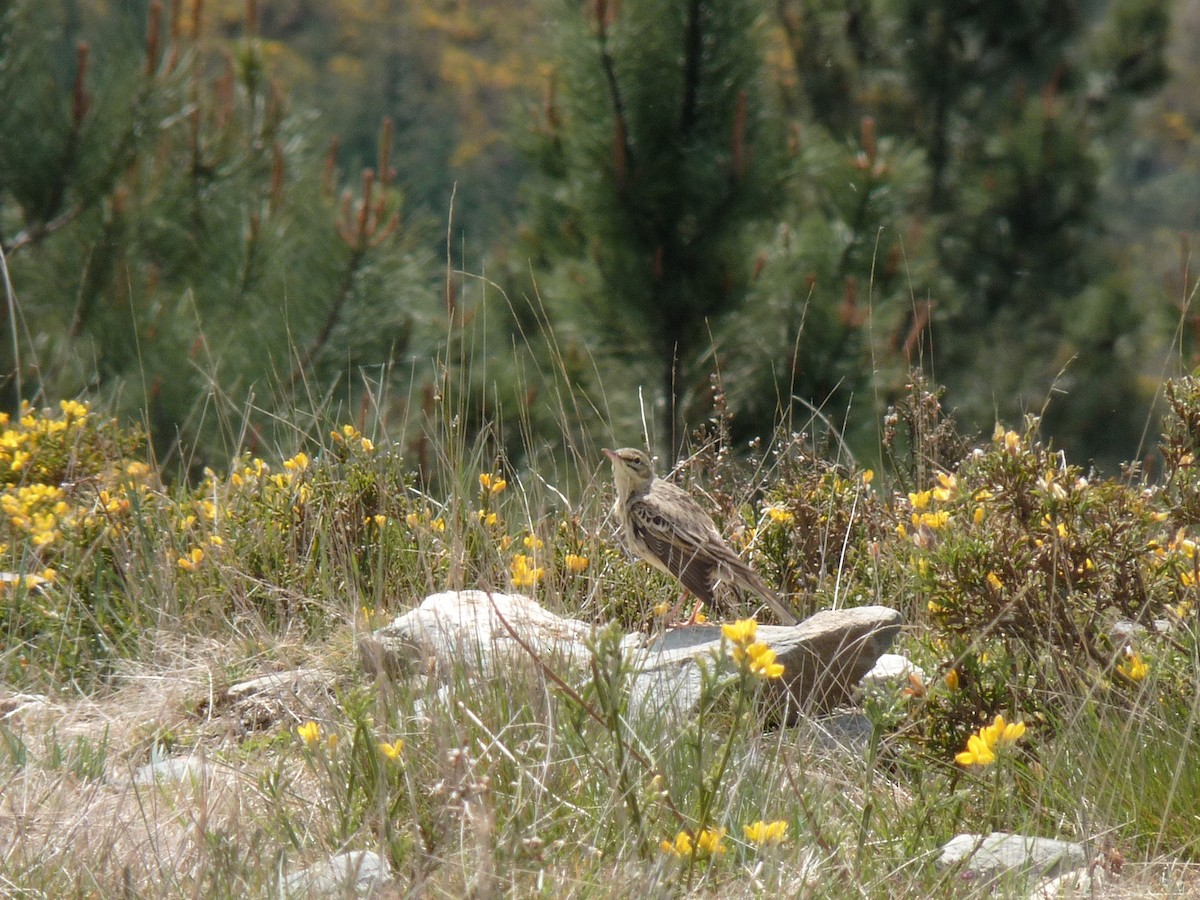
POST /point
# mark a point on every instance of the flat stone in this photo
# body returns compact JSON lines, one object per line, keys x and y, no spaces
{"x":293,"y":681}
{"x":892,"y":668}
{"x":179,"y":768}
{"x":476,"y":628}
{"x":357,"y":871}
{"x":824,"y":658}
{"x":987,"y":858}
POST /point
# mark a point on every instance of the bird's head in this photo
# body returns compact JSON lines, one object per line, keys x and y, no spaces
{"x":632,"y":469}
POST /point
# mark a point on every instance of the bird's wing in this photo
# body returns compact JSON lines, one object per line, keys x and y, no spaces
{"x":679,"y":542}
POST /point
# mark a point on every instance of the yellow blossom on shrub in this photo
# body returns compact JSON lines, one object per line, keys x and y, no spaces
{"x":532,"y":542}
{"x":681,"y":846}
{"x":190,"y":562}
{"x":73,"y":409}
{"x":576,"y":563}
{"x":709,"y":842}
{"x":947,"y":487}
{"x":310,"y":732}
{"x":934,"y":520}
{"x":740,"y":633}
{"x":978,"y":753}
{"x":764,"y":833}
{"x":392,"y":750}
{"x":1134,"y":668}
{"x":994,"y":581}
{"x":492,"y":484}
{"x":982,"y":745}
{"x":297,"y":463}
{"x":868,"y":476}
{"x":524,"y":573}
{"x":920,"y":500}
{"x":779,"y":514}
{"x":762,"y":661}
{"x":489,"y":519}
{"x":952,"y":679}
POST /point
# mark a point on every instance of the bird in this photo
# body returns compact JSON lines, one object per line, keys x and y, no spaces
{"x":666,"y":527}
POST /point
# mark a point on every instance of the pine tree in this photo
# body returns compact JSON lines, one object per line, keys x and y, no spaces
{"x":175,"y":238}
{"x":658,"y":153}
{"x":1017,"y":108}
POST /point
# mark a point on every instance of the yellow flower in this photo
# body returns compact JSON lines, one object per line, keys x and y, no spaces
{"x":762,"y":661}
{"x":710,"y":841}
{"x":934,"y":520}
{"x":920,"y":500}
{"x":868,"y":476}
{"x":740,"y":633}
{"x":192,"y":560}
{"x":764,"y":833}
{"x":978,"y":753}
{"x":576,"y":563}
{"x":779,"y":514}
{"x":681,"y":846}
{"x":310,"y":732}
{"x":412,"y":520}
{"x":532,"y":542}
{"x":492,"y":484}
{"x":661,"y":609}
{"x":489,"y":519}
{"x":524,"y":573}
{"x":1134,"y":668}
{"x":981,"y":746}
{"x":977,"y":516}
{"x":379,"y":520}
{"x":948,"y":487}
{"x":994,"y":581}
{"x":73,"y":409}
{"x":297,"y":463}
{"x":952,"y":679}
{"x":392,"y":750}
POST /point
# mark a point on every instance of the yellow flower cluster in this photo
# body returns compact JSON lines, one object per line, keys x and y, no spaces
{"x":981,"y":746}
{"x":491,"y":484}
{"x":37,"y":510}
{"x":392,"y":751}
{"x":350,"y":435}
{"x":709,"y":842}
{"x":766,"y":833}
{"x":575,"y":563}
{"x":525,"y":573}
{"x":757,"y":658}
{"x":1134,"y":668}
{"x":779,"y":514}
{"x":415,"y":520}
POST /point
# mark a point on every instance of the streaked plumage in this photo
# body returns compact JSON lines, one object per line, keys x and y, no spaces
{"x":663,"y":525}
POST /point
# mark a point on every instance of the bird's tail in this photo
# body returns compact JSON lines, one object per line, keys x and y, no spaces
{"x":741,"y":576}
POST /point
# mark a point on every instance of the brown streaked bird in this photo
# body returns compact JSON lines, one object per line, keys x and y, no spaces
{"x":664,"y":526}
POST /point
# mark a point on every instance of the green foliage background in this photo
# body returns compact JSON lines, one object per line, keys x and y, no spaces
{"x":769,"y":215}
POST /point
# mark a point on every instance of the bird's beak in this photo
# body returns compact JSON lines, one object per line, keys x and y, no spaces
{"x":612,"y":456}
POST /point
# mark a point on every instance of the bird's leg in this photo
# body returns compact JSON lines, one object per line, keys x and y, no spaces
{"x":673,"y":615}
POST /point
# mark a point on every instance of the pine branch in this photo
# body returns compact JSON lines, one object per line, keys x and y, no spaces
{"x":691,"y":81}
{"x":624,"y":154}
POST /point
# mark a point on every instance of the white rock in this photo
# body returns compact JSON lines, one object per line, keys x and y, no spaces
{"x":986,"y":858}
{"x":360,"y":871}
{"x":892,"y":668}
